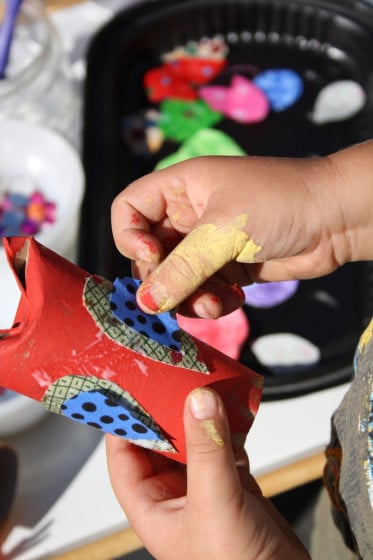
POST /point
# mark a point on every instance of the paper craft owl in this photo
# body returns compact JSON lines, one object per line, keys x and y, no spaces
{"x":82,"y":347}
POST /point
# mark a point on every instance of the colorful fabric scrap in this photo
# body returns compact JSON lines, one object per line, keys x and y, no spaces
{"x":214,"y":331}
{"x":163,"y":328}
{"x":161,"y":83}
{"x":282,"y":86}
{"x":141,"y":132}
{"x":180,"y":119}
{"x":196,"y":71}
{"x":22,"y":214}
{"x":270,"y":294}
{"x":242,"y":101}
{"x":204,"y":142}
{"x":214,"y":48}
{"x":338,"y":101}
{"x":198,"y":62}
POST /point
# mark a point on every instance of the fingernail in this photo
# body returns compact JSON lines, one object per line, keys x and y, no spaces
{"x":147,"y":256}
{"x":143,"y":256}
{"x":153,"y":296}
{"x":203,"y":312}
{"x":203,"y":404}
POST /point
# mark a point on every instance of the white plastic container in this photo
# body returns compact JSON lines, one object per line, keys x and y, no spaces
{"x":30,"y":151}
{"x":34,"y":152}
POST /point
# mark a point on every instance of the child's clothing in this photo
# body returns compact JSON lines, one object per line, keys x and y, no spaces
{"x":327,"y":541}
{"x":349,"y":469}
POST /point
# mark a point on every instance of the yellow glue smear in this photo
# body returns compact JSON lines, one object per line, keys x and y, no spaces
{"x":210,"y":247}
{"x":248,"y":252}
{"x":212,"y":433}
{"x":203,"y":251}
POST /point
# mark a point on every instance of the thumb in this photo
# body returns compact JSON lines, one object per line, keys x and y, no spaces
{"x":212,"y":474}
{"x":204,"y":251}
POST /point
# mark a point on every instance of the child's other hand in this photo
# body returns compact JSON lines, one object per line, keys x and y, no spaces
{"x":198,"y":230}
{"x":211,"y":509}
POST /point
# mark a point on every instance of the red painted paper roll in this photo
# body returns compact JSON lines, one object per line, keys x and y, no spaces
{"x":69,"y":350}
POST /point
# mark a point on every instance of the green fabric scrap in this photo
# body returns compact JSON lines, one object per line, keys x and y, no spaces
{"x":204,"y":142}
{"x":180,"y":119}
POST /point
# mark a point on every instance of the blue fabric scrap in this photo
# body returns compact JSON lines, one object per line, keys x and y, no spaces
{"x":162,"y":328}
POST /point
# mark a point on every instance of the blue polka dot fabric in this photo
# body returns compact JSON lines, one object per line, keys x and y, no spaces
{"x":162,"y":328}
{"x":111,"y":415}
{"x":282,"y":86}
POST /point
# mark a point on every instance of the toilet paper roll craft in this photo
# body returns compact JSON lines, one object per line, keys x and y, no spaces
{"x":81,"y":346}
{"x":282,"y":86}
{"x":180,"y":119}
{"x":338,"y":101}
{"x":241,"y":101}
{"x":204,"y":142}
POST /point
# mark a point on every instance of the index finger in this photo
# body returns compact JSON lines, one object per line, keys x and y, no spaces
{"x":204,"y":251}
{"x":151,"y":214}
{"x":133,"y":211}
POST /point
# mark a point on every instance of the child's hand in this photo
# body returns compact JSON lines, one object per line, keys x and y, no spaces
{"x":225,"y":222}
{"x":211,"y":509}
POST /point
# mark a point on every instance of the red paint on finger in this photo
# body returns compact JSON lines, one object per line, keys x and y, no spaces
{"x":238,"y":291}
{"x":150,"y":246}
{"x":147,"y":299}
{"x":135,"y":219}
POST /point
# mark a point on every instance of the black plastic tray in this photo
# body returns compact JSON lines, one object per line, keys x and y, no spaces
{"x":323,"y":41}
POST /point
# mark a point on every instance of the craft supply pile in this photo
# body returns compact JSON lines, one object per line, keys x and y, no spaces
{"x":22,"y":213}
{"x":193,"y":98}
{"x":196,"y":88}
